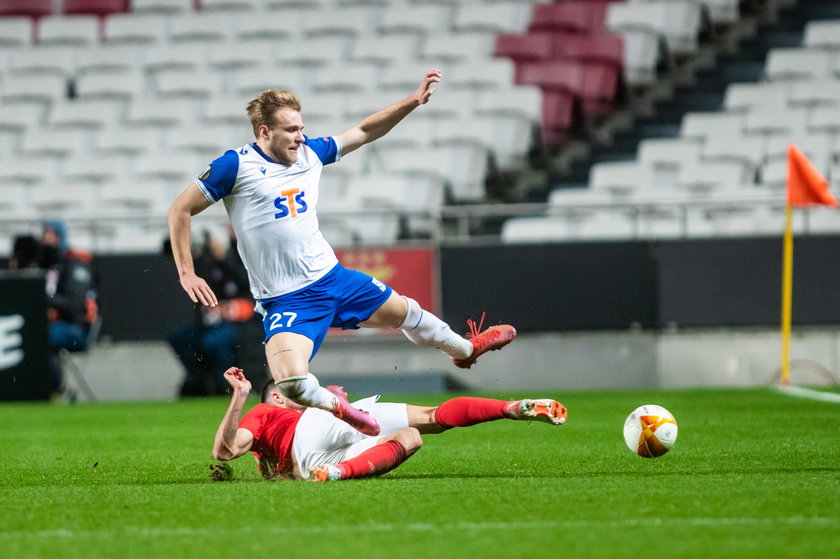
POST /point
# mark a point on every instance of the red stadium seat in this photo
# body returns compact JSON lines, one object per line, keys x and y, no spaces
{"x":95,"y":7}
{"x":529,"y":47}
{"x":606,"y":48}
{"x":577,"y":16}
{"x":594,"y":84}
{"x":32,"y":8}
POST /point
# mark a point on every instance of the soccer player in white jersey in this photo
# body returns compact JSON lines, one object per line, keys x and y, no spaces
{"x":270,"y":192}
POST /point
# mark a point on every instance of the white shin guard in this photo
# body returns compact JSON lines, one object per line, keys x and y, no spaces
{"x":306,"y":391}
{"x":424,"y":328}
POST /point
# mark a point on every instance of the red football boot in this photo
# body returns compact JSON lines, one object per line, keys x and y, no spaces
{"x":495,"y":337}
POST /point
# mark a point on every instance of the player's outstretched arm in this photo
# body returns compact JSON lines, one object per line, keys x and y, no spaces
{"x":380,"y":123}
{"x":190,"y":202}
{"x":230,"y":441}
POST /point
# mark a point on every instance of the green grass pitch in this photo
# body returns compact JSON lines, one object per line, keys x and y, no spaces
{"x":754,"y":473}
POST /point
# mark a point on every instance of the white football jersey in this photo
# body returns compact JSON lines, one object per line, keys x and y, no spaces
{"x":272,"y":210}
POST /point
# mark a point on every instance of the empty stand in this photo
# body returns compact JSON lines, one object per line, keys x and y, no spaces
{"x":73,"y":31}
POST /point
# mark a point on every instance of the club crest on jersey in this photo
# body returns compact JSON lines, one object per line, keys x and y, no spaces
{"x":206,"y":174}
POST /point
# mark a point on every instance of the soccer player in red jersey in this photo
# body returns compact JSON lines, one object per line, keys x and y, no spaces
{"x":290,"y":441}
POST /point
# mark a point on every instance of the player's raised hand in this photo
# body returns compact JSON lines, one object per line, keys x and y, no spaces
{"x":198,"y":290}
{"x":235,"y":377}
{"x":426,"y":90}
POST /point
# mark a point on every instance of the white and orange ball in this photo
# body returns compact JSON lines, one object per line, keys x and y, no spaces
{"x":650,"y":431}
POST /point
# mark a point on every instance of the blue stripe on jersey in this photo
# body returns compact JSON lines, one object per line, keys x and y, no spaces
{"x":327,"y":149}
{"x":218,"y":181}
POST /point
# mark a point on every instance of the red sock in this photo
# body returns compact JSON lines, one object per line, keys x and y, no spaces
{"x":463,"y":412}
{"x":374,"y":461}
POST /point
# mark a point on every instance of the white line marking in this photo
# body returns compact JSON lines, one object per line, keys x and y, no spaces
{"x":799,"y":392}
{"x":801,"y":521}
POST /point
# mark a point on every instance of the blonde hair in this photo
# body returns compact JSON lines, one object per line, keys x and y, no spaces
{"x":261,"y":110}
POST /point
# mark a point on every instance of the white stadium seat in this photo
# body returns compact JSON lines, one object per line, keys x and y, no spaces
{"x":383,"y":50}
{"x":59,"y":61}
{"x":822,"y":35}
{"x":234,"y":6}
{"x":161,"y":6}
{"x":181,"y":58}
{"x":96,"y":169}
{"x":33,"y":89}
{"x":283,"y":27}
{"x":108,"y":59}
{"x":458,"y":46}
{"x":158,"y":112}
{"x":16,"y":31}
{"x":72,"y":30}
{"x":201,"y":28}
{"x":618,"y":178}
{"x":108,"y":86}
{"x":411,"y":18}
{"x":128,"y":140}
{"x":351,"y":22}
{"x":787,"y":64}
{"x":129,"y":28}
{"x":745,"y":96}
{"x":502,"y":17}
{"x":80,"y":113}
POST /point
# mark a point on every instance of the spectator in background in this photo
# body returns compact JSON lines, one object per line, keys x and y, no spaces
{"x":71,"y":295}
{"x":206,"y":346}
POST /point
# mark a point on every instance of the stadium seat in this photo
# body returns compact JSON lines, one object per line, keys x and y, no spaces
{"x":822,"y":35}
{"x":482,"y":74}
{"x":161,"y":113}
{"x":476,"y":47}
{"x":384,"y":50}
{"x":617,"y":178}
{"x":703,"y":124}
{"x":787,"y":64}
{"x":188,"y":57}
{"x":664,"y":157}
{"x":161,"y":6}
{"x":603,"y":48}
{"x":129,"y":194}
{"x":80,"y":113}
{"x":508,"y":138}
{"x":724,"y":12}
{"x":520,"y":101}
{"x":17,"y":118}
{"x":123,"y":86}
{"x":29,"y":8}
{"x":72,"y":31}
{"x":320,"y":107}
{"x":180,"y":169}
{"x":406,"y":77}
{"x":16,"y":32}
{"x":33,"y":89}
{"x":210,"y":141}
{"x":58,"y":61}
{"x":571,"y":16}
{"x":745,"y":96}
{"x":32,"y":170}
{"x":275,"y":26}
{"x":55,"y":143}
{"x":501,"y":17}
{"x":224,"y":58}
{"x":816,"y":147}
{"x":715,"y":178}
{"x":346,"y":77}
{"x":235,"y":6}
{"x":351,"y":22}
{"x":225,"y":109}
{"x":529,"y":47}
{"x":769,"y":121}
{"x":128,"y":28}
{"x":419,"y":19}
{"x":95,"y":7}
{"x":250,"y":83}
{"x":748,"y":150}
{"x":195,"y":84}
{"x":127,"y":140}
{"x":85,"y":168}
{"x":299,"y":54}
{"x":212,"y":28}
{"x":825,"y":92}
{"x":108,"y":59}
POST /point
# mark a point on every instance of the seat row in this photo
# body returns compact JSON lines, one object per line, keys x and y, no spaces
{"x":291,"y":23}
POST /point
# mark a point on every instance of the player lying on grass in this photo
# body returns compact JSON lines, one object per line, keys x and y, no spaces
{"x":295,"y":442}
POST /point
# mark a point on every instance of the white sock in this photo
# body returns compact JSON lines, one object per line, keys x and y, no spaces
{"x":306,"y":391}
{"x":424,"y":328}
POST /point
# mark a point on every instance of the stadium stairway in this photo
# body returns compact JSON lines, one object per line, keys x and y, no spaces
{"x":702,"y":89}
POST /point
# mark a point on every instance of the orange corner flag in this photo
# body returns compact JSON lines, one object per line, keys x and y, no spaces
{"x":805,"y":184}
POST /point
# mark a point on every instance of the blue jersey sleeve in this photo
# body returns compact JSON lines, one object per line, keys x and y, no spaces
{"x":217,"y":181}
{"x":328,"y":149}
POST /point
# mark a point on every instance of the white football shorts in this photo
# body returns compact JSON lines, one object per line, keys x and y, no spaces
{"x":321,"y":438}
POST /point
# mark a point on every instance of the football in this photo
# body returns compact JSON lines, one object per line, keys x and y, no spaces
{"x":650,"y":431}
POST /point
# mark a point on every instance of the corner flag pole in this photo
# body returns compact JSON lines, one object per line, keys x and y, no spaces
{"x":787,"y":295}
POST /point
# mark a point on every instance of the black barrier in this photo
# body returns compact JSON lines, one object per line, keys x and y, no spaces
{"x":579,"y":286}
{"x":24,"y":354}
